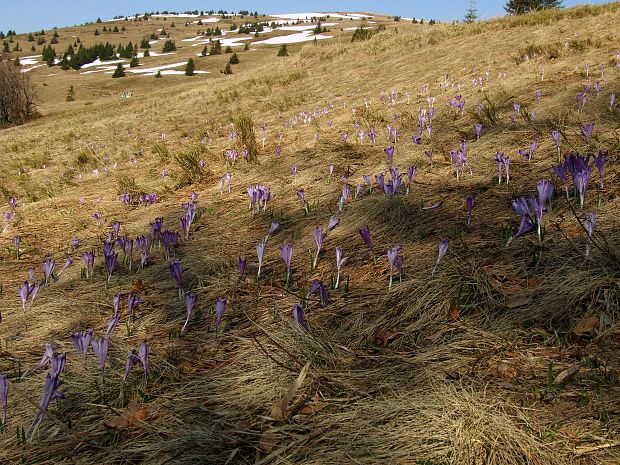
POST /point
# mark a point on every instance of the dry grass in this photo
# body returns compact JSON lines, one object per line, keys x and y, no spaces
{"x":456,"y":367}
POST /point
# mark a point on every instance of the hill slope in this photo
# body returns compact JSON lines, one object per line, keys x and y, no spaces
{"x":502,"y":352}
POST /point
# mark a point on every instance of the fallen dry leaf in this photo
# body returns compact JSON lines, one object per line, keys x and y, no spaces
{"x":269,"y":440}
{"x":382,"y":338}
{"x":133,"y":414}
{"x":505,"y":370}
{"x":586,"y":326}
{"x":279,"y":407}
{"x":566,"y":375}
{"x":454,"y":312}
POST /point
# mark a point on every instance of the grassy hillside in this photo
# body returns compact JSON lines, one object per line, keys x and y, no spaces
{"x":502,"y":352}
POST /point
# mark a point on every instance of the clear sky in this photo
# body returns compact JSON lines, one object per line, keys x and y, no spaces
{"x":33,"y":15}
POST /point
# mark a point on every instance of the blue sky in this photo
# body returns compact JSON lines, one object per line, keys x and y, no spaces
{"x":33,"y":15}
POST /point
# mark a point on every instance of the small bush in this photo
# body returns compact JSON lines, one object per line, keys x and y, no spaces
{"x":283,"y":52}
{"x":244,"y":126}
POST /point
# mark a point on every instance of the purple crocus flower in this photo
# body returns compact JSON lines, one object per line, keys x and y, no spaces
{"x":560,"y":171}
{"x":318,"y":286}
{"x":286,"y":252}
{"x":114,"y":320}
{"x":365,"y":234}
{"x":75,"y":242}
{"x":443,"y":248}
{"x":478,"y":129}
{"x":319,"y":237}
{"x":143,"y":355}
{"x":469,"y":204}
{"x":340,"y":260}
{"x":220,"y":307}
{"x":332,"y":223}
{"x":68,"y":263}
{"x":132,"y":361}
{"x":586,"y":129}
{"x":392,"y":255}
{"x":176,"y":269}
{"x":429,"y":154}
{"x":17,"y":240}
{"x":133,"y":300}
{"x":50,"y":391}
{"x":4,"y":398}
{"x":100,"y":347}
{"x":190,"y":303}
{"x":589,"y":223}
{"x":242,"y":264}
{"x":48,"y":269}
{"x":13,"y":202}
{"x":110,"y":262}
{"x":599,"y":161}
{"x":89,"y":263}
{"x":272,"y":229}
{"x":81,"y":341}
{"x":389,"y":151}
{"x":612,"y":100}
{"x":372,"y":135}
{"x":116,"y":227}
{"x":298,"y":315}
{"x":581,"y":180}
{"x":98,"y":216}
{"x":260,"y":251}
{"x":24,"y":292}
{"x":411,"y":172}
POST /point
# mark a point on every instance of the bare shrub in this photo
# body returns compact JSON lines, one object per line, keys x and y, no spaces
{"x":16,"y":95}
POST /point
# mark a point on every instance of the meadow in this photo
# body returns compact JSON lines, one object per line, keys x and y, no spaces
{"x":394,"y":250}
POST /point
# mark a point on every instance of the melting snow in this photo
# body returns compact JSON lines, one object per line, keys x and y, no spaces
{"x":98,"y":62}
{"x":304,"y":36}
{"x":308,"y":16}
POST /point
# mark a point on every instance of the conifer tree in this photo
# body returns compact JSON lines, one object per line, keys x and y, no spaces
{"x":70,"y":94}
{"x":471,"y":14}
{"x":119,"y":71}
{"x":228,"y":69}
{"x":204,"y":52}
{"x":234,"y":59}
{"x":190,"y":68}
{"x":283,"y":52}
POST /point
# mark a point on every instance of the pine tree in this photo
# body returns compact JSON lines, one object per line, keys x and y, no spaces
{"x":471,"y":14}
{"x":204,"y":52}
{"x":190,"y":68}
{"x":16,"y":62}
{"x":115,"y":29}
{"x":119,"y":71}
{"x":134,"y":62}
{"x":216,"y":48}
{"x":283,"y":52}
{"x":169,"y":46}
{"x":70,"y":94}
{"x":228,"y":69}
{"x":158,"y":74}
{"x":234,"y":59}
{"x":246,"y":46}
{"x":30,"y":37}
{"x":96,"y":32}
{"x":147,"y":53}
{"x":228,"y":50}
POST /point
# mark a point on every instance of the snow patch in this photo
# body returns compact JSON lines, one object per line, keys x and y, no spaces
{"x":304,"y":36}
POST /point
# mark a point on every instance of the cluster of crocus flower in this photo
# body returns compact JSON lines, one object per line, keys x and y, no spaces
{"x":537,"y":204}
{"x":396,"y":261}
{"x":260,"y":195}
{"x":529,"y":153}
{"x":148,"y":199}
{"x":134,"y":357}
{"x":503,"y":163}
{"x":187,"y":219}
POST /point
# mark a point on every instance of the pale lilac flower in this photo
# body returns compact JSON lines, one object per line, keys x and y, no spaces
{"x":286,"y":252}
{"x":260,"y":251}
{"x":589,"y":223}
{"x":81,"y":341}
{"x":190,"y":302}
{"x":340,"y":260}
{"x":143,"y":355}
{"x":443,"y":248}
{"x":100,"y":347}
